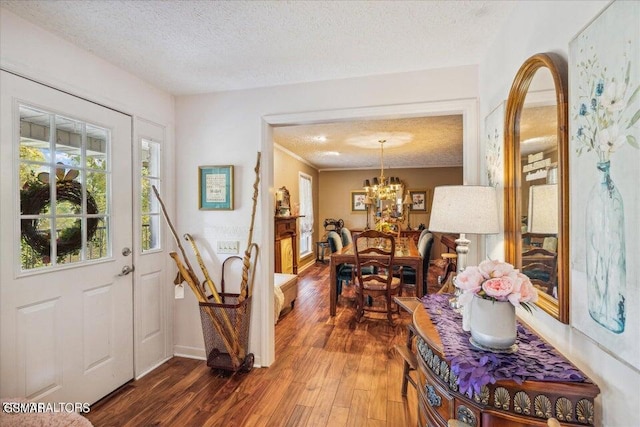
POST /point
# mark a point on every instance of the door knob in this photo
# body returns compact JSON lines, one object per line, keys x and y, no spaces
{"x":126,"y":270}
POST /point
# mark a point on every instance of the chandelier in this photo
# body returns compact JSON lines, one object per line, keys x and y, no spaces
{"x":382,"y":188}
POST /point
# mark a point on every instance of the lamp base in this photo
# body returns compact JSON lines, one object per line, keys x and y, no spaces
{"x":462,"y":249}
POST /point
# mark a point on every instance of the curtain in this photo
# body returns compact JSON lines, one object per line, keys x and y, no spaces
{"x":306,"y":209}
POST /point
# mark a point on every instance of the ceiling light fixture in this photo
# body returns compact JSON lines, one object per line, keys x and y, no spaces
{"x":382,"y":188}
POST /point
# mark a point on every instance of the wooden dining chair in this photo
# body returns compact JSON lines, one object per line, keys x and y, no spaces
{"x":409,"y":275}
{"x":344,"y":272}
{"x":540,"y":265}
{"x":375,"y":250}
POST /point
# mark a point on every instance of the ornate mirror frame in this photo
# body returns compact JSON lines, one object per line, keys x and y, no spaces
{"x":512,"y":184}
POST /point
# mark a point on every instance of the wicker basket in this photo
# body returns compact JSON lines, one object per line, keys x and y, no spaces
{"x":239,"y":313}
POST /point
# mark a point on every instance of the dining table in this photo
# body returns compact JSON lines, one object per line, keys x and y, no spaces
{"x":406,"y":255}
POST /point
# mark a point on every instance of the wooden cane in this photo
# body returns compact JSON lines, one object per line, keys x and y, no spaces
{"x":203,"y":267}
{"x":188,"y":273}
{"x":253,"y":271}
{"x":246,"y":261}
{"x":233,"y":334}
{"x":189,"y":269}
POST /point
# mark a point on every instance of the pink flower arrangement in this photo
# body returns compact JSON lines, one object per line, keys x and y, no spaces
{"x":497,"y":281}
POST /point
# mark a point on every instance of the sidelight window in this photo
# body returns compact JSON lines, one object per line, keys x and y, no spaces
{"x":150,"y":207}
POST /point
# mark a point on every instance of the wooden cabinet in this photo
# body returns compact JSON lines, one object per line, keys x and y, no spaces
{"x":286,"y":244}
{"x":505,"y":403}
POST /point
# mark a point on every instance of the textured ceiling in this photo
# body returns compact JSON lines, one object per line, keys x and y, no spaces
{"x":411,"y":142}
{"x":190,"y":47}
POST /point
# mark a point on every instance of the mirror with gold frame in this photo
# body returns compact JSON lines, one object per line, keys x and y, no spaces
{"x":536,"y":180}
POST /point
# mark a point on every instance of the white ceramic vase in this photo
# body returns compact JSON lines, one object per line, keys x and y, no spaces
{"x":493,"y":323}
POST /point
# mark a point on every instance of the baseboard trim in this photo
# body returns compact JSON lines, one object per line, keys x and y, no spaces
{"x":189,"y":352}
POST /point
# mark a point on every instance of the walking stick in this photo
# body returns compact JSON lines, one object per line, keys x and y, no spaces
{"x":189,"y":269}
{"x":203,"y":267}
{"x":230,"y":343}
{"x":230,"y":337}
{"x":233,"y":334}
{"x":246,"y":262}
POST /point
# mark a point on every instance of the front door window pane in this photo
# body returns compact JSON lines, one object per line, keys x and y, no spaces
{"x":97,"y":188}
{"x":68,"y":142}
{"x":96,"y":152}
{"x":97,"y":247}
{"x":64,"y":190}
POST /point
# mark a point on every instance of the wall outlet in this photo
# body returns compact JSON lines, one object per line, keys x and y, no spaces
{"x":228,"y":247}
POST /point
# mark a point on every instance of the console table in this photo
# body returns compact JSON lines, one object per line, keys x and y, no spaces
{"x":504,"y":403}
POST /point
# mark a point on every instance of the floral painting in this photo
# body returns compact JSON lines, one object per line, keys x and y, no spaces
{"x":358,"y":201}
{"x":493,"y":140}
{"x":604,"y":113}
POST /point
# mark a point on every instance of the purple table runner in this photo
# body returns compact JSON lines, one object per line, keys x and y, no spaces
{"x":534,"y":360}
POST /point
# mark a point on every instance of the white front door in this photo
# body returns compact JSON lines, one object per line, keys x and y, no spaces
{"x":66,"y":314}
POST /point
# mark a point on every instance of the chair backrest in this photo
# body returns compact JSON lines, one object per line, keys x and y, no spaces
{"x":540,"y":266}
{"x":424,"y":247}
{"x":331,"y":224}
{"x":422,"y":233}
{"x":346,"y":236}
{"x":335,"y":241}
{"x":374,"y":249}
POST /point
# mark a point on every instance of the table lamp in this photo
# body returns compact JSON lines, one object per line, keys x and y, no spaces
{"x":368,"y":202}
{"x":463,"y":209}
{"x":405,"y":204}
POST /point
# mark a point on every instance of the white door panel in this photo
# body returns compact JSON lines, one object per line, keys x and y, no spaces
{"x":66,"y":333}
{"x":152,"y":293}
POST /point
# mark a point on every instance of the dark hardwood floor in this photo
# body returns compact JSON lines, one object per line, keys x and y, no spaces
{"x":328,"y":372}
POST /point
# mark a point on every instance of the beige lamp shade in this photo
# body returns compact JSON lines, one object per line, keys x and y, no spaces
{"x":469,"y":209}
{"x":407,"y":200}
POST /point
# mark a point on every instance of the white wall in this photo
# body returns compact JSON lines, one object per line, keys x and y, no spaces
{"x":536,"y":27}
{"x":34,"y":53}
{"x":228,"y":128}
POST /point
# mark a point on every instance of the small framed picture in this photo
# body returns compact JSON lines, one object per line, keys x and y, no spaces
{"x":216,"y":187}
{"x":419,"y":200}
{"x":357,"y":201}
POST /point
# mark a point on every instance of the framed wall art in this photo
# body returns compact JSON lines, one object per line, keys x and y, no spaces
{"x":419,"y":200}
{"x":215,"y":187}
{"x":357,"y":201}
{"x":604,"y":129}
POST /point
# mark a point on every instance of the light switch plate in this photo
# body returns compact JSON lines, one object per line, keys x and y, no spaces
{"x":228,"y":247}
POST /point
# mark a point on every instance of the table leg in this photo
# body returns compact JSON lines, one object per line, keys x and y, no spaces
{"x":333,"y":292}
{"x":420,"y":291}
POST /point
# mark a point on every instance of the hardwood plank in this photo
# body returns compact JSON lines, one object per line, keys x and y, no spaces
{"x":322,"y":409}
{"x":286,"y":406}
{"x":378,"y":402}
{"x":397,"y":415}
{"x":338,"y":417}
{"x":299,"y":416}
{"x":329,"y":371}
{"x":344,"y":394}
{"x":359,"y":408}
